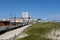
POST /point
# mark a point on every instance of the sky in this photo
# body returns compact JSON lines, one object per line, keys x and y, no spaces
{"x":48,"y":9}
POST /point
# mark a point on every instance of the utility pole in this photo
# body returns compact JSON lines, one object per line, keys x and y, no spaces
{"x":15,"y":19}
{"x":10,"y":18}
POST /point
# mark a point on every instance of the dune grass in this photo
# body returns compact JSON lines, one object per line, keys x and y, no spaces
{"x":38,"y":31}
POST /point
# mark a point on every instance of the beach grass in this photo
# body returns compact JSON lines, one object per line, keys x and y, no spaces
{"x":38,"y":30}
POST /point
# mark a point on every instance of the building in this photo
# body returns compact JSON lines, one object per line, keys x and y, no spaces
{"x":4,"y":23}
{"x":42,"y":20}
{"x":25,"y":16}
{"x":31,"y":19}
{"x":17,"y":20}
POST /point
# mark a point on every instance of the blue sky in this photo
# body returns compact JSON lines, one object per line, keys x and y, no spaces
{"x":37,"y":8}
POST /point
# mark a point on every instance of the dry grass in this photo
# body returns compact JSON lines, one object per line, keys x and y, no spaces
{"x":37,"y":31}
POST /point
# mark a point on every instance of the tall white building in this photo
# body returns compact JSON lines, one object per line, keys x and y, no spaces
{"x":25,"y":14}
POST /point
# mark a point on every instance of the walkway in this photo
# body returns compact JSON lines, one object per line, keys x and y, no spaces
{"x":11,"y":34}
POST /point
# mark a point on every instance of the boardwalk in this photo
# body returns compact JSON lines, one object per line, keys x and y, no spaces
{"x":12,"y":33}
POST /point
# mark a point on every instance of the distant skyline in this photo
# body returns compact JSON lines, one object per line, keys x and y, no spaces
{"x":49,"y":9}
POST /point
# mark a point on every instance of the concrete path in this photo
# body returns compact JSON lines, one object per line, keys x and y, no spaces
{"x":12,"y":33}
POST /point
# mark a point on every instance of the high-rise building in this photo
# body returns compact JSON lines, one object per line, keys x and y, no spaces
{"x":24,"y":14}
